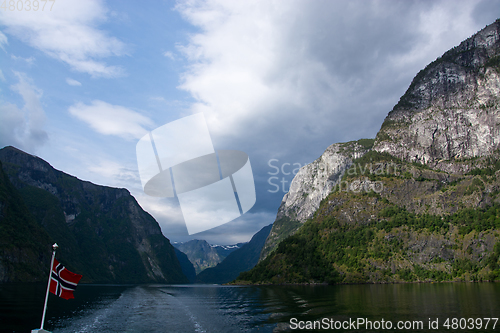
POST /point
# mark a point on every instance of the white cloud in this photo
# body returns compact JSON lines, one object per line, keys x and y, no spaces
{"x":3,"y":41}
{"x":113,"y":173}
{"x":68,"y":33}
{"x":111,"y":119}
{"x":158,"y":99}
{"x":166,"y":212}
{"x":169,"y":54}
{"x":441,"y":27}
{"x":247,"y":225}
{"x":29,"y":61}
{"x":73,"y":82}
{"x":293,"y":75}
{"x":286,"y":79}
{"x":12,"y":122}
{"x":170,"y":218}
{"x":23,"y":128}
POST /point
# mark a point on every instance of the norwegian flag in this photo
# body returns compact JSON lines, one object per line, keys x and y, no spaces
{"x":62,"y":281}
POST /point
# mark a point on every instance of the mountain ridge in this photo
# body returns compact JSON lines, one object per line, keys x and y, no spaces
{"x":436,"y":157}
{"x":450,"y":110}
{"x":312,"y":184}
{"x":103,"y":233}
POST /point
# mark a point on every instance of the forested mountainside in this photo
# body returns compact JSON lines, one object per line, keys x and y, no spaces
{"x":102,"y":232}
{"x":420,"y":202}
{"x":25,"y":246}
{"x":186,"y":265}
{"x":310,"y":185}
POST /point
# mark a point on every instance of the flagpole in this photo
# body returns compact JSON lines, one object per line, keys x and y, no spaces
{"x":54,"y":248}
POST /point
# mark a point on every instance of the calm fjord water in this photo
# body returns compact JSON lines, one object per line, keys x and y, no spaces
{"x":207,"y":308}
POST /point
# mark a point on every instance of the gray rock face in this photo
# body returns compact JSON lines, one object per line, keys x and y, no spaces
{"x":451,"y":109}
{"x":310,"y":185}
{"x":315,"y":181}
{"x":449,"y":114}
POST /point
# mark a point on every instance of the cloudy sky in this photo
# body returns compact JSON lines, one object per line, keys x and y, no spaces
{"x":82,"y":81}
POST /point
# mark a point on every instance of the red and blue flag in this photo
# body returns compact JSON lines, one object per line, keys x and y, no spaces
{"x":62,"y":281}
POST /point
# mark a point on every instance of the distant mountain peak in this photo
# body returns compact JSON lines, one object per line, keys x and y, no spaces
{"x":204,"y":255}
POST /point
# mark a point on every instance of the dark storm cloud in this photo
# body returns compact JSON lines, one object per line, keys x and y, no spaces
{"x":284,"y":80}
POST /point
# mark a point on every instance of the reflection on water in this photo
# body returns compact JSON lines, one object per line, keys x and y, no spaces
{"x":21,"y":304}
{"x":206,"y":308}
{"x":393,"y":302}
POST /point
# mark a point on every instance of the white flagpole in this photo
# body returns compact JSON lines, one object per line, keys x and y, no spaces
{"x":54,"y":247}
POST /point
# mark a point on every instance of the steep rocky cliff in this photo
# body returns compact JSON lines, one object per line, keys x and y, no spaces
{"x":422,"y":204}
{"x":316,"y":180}
{"x":103,"y":233}
{"x":419,"y":225}
{"x":310,"y":185}
{"x":451,"y":110}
